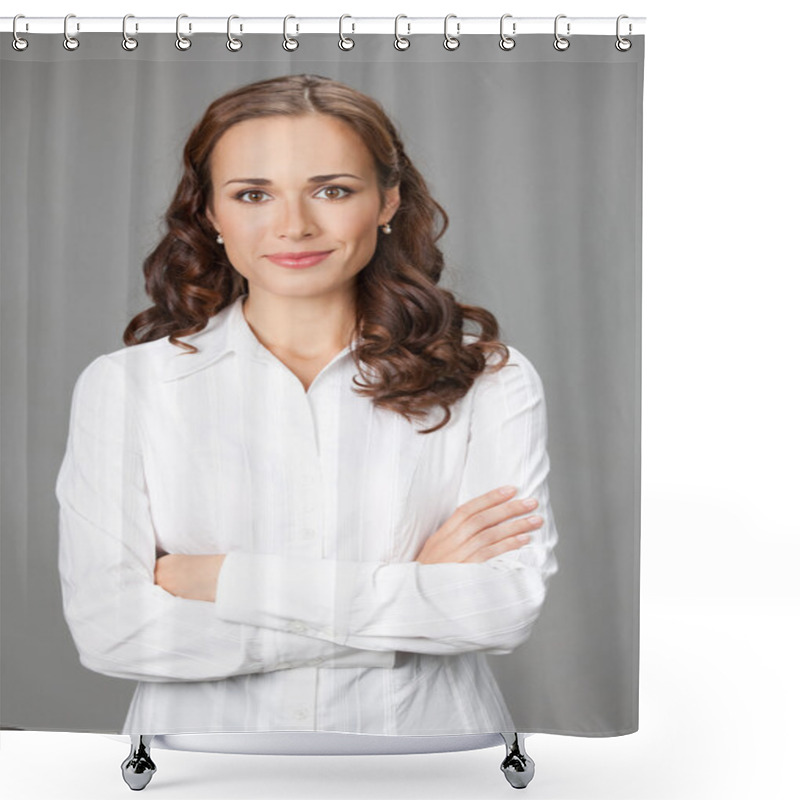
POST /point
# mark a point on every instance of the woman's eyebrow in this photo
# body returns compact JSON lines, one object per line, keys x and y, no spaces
{"x":314,"y":179}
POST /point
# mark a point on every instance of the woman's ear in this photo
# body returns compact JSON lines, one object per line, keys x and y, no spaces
{"x":392,"y":199}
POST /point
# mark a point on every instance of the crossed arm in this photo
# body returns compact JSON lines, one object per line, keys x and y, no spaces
{"x":451,"y":599}
{"x":206,"y":617}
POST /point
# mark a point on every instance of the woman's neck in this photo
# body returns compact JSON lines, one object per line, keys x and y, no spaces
{"x":301,"y":328}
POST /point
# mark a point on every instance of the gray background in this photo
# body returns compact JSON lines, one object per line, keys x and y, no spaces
{"x":538,"y":164}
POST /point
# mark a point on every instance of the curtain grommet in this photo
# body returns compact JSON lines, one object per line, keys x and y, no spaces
{"x":290,"y":44}
{"x":18,"y":43}
{"x":507,"y":42}
{"x":451,"y":42}
{"x":622,"y":44}
{"x":181,"y":42}
{"x":400,"y":42}
{"x":70,"y":42}
{"x":233,"y":44}
{"x":346,"y":43}
{"x":129,"y":43}
{"x":561,"y":43}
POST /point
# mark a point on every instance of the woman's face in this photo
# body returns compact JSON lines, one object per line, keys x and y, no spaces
{"x":288,"y":185}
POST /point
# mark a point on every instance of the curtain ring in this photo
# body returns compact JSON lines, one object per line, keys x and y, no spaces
{"x":507,"y":42}
{"x":344,"y":42}
{"x":128,"y":42}
{"x":70,"y":42}
{"x":19,"y":43}
{"x":182,"y":43}
{"x":560,"y":42}
{"x":288,"y":42}
{"x":451,"y":42}
{"x":233,"y":44}
{"x":401,"y":43}
{"x":623,"y":45}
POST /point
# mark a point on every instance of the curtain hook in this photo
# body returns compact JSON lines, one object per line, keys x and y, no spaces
{"x":233,"y":44}
{"x":182,"y":43}
{"x":451,"y":42}
{"x":288,"y":42}
{"x":19,"y":43}
{"x":623,"y":45}
{"x":401,"y":43}
{"x":344,"y":42}
{"x":560,"y":42}
{"x":70,"y":42}
{"x":129,"y":42}
{"x":507,"y":42}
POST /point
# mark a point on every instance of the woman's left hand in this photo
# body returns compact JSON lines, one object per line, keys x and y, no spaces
{"x":191,"y":577}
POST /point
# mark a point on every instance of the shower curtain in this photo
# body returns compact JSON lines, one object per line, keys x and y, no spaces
{"x":316,"y":509}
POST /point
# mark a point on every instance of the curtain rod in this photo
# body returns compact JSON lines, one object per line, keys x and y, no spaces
{"x":297,"y":25}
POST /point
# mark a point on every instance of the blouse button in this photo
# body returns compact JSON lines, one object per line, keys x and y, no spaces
{"x":297,"y":626}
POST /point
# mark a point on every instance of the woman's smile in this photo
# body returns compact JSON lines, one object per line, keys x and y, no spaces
{"x":299,"y":260}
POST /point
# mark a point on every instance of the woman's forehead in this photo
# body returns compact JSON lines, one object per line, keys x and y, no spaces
{"x":288,"y":144}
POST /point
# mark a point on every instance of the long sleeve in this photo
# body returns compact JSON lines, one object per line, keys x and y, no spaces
{"x":425,"y":608}
{"x":122,"y":623}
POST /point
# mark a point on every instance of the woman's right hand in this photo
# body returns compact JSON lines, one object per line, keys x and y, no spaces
{"x":480,"y":529}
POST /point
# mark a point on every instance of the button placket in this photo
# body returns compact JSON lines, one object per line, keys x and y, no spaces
{"x":326,"y":408}
{"x":299,"y":698}
{"x":306,"y":475}
{"x":306,"y":538}
{"x":307,"y":533}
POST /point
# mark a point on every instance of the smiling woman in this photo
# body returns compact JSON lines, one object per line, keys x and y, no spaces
{"x":262,"y":541}
{"x":291,"y":134}
{"x":299,"y":241}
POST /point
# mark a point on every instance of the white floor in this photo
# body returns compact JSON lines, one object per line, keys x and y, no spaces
{"x":720,"y":692}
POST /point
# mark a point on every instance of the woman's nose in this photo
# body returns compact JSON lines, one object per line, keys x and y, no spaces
{"x":295,"y":218}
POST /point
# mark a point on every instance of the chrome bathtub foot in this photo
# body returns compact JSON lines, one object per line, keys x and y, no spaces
{"x":517,"y":766}
{"x":138,"y":768}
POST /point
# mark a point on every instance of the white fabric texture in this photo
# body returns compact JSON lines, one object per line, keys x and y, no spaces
{"x":323,"y":620}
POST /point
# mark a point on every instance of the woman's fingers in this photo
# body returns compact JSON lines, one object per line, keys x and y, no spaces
{"x":497,"y":548}
{"x":494,"y":516}
{"x":481,"y":503}
{"x":509,"y":535}
{"x":488,"y":511}
{"x":480,"y":528}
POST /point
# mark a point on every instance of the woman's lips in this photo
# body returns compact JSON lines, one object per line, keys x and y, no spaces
{"x":299,"y":261}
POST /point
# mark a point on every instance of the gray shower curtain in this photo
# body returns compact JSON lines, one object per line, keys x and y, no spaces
{"x":536,"y":157}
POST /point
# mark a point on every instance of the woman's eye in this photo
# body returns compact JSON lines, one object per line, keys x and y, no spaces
{"x":244,"y":194}
{"x":337,"y":189}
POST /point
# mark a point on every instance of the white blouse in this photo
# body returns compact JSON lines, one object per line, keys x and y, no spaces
{"x":321,"y":501}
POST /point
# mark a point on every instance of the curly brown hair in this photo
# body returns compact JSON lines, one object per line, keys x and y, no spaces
{"x":411,"y":329}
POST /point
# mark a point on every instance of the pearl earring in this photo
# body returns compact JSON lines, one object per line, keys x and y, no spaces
{"x":219,"y":239}
{"x":387,"y":228}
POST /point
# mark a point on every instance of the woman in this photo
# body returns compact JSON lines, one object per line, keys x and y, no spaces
{"x":263,"y":522}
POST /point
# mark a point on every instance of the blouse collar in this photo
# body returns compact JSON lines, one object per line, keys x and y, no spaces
{"x":226,"y":332}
